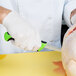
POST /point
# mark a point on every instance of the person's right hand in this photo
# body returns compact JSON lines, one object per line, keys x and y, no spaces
{"x":26,"y":37}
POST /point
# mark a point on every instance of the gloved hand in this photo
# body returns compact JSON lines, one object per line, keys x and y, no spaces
{"x":69,"y":51}
{"x":25,"y":36}
{"x":73,"y":17}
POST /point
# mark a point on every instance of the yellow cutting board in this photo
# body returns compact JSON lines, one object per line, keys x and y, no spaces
{"x":32,"y":64}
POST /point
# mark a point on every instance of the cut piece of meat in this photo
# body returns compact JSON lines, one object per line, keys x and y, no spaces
{"x":72,"y":31}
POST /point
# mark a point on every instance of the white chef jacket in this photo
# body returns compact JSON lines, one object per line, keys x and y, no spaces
{"x":44,"y":15}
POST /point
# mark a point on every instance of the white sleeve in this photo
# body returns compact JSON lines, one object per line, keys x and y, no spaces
{"x":69,"y":6}
{"x":9,"y":4}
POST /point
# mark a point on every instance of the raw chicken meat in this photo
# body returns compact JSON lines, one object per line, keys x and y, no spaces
{"x":69,"y":51}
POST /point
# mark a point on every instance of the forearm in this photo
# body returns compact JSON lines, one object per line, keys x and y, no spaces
{"x":3,"y":13}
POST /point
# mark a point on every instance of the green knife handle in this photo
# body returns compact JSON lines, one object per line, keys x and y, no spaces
{"x":43,"y":44}
{"x":8,"y":37}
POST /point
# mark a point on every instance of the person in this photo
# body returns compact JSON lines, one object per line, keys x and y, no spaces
{"x":30,"y":21}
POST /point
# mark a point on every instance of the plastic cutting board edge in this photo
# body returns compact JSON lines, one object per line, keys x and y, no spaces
{"x":32,"y":64}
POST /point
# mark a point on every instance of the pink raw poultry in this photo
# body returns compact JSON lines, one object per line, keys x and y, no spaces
{"x":69,"y":51}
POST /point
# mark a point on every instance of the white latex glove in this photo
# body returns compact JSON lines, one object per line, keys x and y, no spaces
{"x":73,"y":19}
{"x":25,"y":36}
{"x":69,"y":51}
